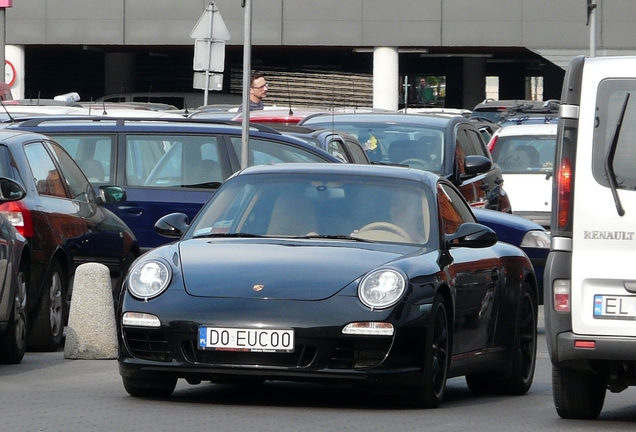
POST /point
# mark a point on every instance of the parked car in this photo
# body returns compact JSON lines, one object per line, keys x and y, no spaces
{"x":65,"y":224}
{"x":525,"y":154}
{"x":14,"y":280}
{"x":499,"y":110}
{"x":341,"y":145}
{"x":531,"y":237}
{"x":331,"y":273}
{"x":450,"y":146}
{"x":590,"y":280}
{"x":165,"y":165}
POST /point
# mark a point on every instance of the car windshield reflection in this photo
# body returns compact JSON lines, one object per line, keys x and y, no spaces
{"x":305,"y":206}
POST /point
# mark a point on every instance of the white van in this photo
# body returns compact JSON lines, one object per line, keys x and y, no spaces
{"x":590,"y":276}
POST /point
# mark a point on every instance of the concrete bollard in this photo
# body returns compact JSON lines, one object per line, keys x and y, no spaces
{"x":91,"y":333}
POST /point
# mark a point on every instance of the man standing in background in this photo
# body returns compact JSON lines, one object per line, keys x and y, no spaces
{"x":258,"y":92}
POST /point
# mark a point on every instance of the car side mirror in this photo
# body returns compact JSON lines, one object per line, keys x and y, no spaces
{"x":112,"y":194}
{"x":172,"y":225}
{"x":476,"y":164}
{"x":472,"y":235}
{"x":10,"y":190}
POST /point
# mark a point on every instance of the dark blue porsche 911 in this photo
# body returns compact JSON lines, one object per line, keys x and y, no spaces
{"x":330,"y":273}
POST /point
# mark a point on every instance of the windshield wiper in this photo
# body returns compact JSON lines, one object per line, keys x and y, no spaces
{"x":336,"y":237}
{"x":218,"y":234}
{"x":609,"y":159}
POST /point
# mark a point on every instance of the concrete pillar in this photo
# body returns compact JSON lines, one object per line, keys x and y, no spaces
{"x":119,"y":73}
{"x":15,"y":55}
{"x":385,"y":78}
{"x":474,"y":71}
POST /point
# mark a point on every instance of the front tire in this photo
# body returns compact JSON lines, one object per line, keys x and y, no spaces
{"x":14,"y":339}
{"x":436,"y":357}
{"x":577,"y":394}
{"x":50,"y":312}
{"x":158,"y":388}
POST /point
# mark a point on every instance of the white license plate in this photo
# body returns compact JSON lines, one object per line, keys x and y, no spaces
{"x":615,"y":307}
{"x":246,"y":339}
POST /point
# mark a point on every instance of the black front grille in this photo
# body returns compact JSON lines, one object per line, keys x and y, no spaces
{"x":360,"y":353}
{"x":148,"y":345}
{"x":301,"y":357}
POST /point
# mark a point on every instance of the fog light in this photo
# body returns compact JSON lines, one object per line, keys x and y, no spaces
{"x":140,"y":319}
{"x":369,"y":328}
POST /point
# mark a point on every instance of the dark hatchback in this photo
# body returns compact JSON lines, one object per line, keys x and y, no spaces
{"x":65,"y":223}
{"x":165,"y":165}
{"x":450,"y":146}
{"x":331,"y":273}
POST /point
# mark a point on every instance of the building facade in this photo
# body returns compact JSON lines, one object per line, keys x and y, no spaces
{"x":347,"y":52}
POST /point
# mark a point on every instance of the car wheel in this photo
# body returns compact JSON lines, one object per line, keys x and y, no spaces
{"x":13,"y":340}
{"x":577,"y":394}
{"x":159,"y":388}
{"x":50,"y":312}
{"x":436,"y":357}
{"x":520,"y":378}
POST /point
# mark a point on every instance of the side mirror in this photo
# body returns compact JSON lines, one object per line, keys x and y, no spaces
{"x":112,"y":194}
{"x":475,"y":164}
{"x":472,"y":235}
{"x":172,"y":225}
{"x":10,"y":190}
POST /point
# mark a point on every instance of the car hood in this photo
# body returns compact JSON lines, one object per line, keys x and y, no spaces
{"x":292,"y":270}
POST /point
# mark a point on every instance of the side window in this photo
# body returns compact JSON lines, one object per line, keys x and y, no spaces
{"x":191,"y":161}
{"x":47,"y":178}
{"x":358,"y":154}
{"x":452,"y":209}
{"x":462,"y":149}
{"x":142,"y":156}
{"x":93,"y":153}
{"x":336,"y":149}
{"x":264,"y":152}
{"x":477,"y":144}
{"x":75,"y":179}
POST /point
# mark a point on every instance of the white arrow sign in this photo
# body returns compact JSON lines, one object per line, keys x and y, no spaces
{"x":210,"y":25}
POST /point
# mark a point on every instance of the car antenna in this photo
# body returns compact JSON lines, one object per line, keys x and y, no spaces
{"x":90,"y":106}
{"x":104,"y":108}
{"x":149,"y":93}
{"x":121,"y":94}
{"x":185,"y":107}
{"x":38,"y":104}
{"x":7,"y":111}
{"x":291,"y":112}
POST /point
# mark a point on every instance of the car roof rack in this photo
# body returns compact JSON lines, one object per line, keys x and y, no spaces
{"x":121,"y":121}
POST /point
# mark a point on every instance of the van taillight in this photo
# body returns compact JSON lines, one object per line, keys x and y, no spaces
{"x":564,"y":191}
{"x":561,"y":295}
{"x":19,"y":216}
{"x":491,"y":144}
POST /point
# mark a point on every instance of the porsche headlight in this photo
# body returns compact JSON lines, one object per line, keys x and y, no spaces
{"x":536,"y":239}
{"x":382,"y":288}
{"x":149,"y":278}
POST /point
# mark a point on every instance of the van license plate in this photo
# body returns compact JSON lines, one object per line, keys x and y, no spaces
{"x":246,"y":339}
{"x":615,"y":307}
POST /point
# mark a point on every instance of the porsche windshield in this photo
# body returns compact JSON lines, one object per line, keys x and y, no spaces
{"x":359,"y":208}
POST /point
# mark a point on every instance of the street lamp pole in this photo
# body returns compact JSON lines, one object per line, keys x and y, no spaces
{"x":591,"y":21}
{"x":247,"y":67}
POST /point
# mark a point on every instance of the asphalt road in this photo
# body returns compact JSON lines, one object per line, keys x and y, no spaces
{"x":47,"y":393}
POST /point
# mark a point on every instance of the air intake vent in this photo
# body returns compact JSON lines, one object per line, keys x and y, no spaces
{"x":148,"y":345}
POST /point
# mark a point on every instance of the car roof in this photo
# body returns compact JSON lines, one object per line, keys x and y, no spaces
{"x":429,"y":119}
{"x":351,"y":169}
{"x":528,"y":129}
{"x":83,"y":124}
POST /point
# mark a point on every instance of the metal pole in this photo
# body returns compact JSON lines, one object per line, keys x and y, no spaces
{"x":247,"y":68}
{"x":207,"y":68}
{"x":592,"y":20}
{"x":3,"y":33}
